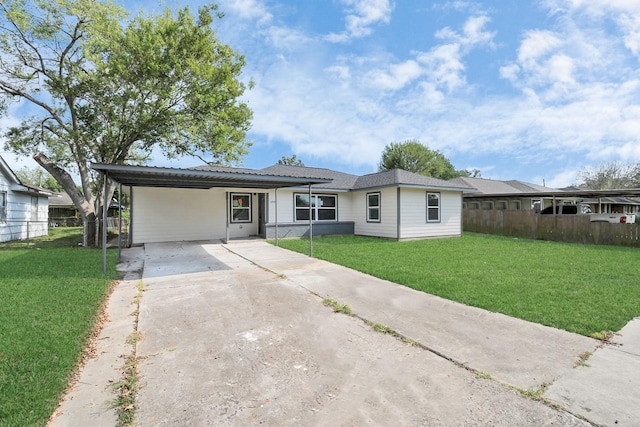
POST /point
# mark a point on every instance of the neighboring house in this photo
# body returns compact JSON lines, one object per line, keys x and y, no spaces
{"x":63,"y":213}
{"x":61,"y":208}
{"x":23,"y":207}
{"x":519,"y":195}
{"x":214,"y":202}
{"x":510,"y":195}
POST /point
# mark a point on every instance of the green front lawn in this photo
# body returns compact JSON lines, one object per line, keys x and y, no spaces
{"x":578,"y":288}
{"x":50,"y":295}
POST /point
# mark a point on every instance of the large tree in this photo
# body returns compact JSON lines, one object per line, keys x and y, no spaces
{"x":412,"y":156}
{"x":100,"y":87}
{"x":610,"y":175}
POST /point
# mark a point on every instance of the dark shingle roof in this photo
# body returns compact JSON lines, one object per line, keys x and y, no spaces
{"x":491,"y":186}
{"x":403,"y":177}
{"x":340,"y":180}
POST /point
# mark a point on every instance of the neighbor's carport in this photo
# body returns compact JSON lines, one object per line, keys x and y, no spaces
{"x":145,"y":176}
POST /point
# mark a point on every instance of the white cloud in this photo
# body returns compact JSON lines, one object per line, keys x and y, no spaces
{"x":445,"y":67}
{"x":397,"y":76}
{"x":248,"y":9}
{"x":285,"y":38}
{"x":473,"y":32}
{"x":361,"y":16}
{"x":442,"y":66}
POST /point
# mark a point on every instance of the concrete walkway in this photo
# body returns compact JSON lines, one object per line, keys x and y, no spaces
{"x":178,"y":324}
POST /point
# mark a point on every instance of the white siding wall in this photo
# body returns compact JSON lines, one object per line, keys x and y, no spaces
{"x":161,"y":214}
{"x":388,"y":225}
{"x":19,"y":224}
{"x":285,"y":206}
{"x":346,"y":212}
{"x":173,"y":214}
{"x":413,"y":220}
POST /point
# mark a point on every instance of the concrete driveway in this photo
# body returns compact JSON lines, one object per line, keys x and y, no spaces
{"x":229,"y":340}
{"x":237,"y":334}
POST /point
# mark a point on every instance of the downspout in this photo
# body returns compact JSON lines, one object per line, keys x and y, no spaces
{"x":276,"y":216}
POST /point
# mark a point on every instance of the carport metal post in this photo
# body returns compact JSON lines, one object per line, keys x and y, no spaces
{"x":276,"y":190}
{"x":227,"y":215}
{"x":105,"y":207}
{"x":310,"y":225}
{"x":119,"y":219}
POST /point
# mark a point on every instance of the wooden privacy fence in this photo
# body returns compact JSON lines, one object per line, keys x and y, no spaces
{"x":560,"y":228}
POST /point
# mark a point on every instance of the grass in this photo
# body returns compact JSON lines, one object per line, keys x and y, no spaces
{"x":51,"y":292}
{"x":337,"y":308}
{"x":585,"y":289}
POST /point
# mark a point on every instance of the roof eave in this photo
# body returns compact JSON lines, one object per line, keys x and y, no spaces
{"x":146,"y":176}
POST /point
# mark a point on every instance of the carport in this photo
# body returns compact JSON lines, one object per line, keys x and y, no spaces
{"x":213,"y":176}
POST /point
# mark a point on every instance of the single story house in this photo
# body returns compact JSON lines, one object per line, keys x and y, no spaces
{"x":23,"y":207}
{"x":214,"y":202}
{"x":516,"y":195}
{"x":519,"y":195}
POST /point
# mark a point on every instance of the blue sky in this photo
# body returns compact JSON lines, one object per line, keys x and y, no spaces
{"x":528,"y":90}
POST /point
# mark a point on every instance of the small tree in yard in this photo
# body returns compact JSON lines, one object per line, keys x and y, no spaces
{"x":103,"y":89}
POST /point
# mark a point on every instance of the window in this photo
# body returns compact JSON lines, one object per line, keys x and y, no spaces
{"x":324,"y":207}
{"x":515,"y":205}
{"x":240,"y":207}
{"x":501,"y":205}
{"x":373,"y":207}
{"x":3,"y":205}
{"x":433,"y":207}
{"x":34,"y":208}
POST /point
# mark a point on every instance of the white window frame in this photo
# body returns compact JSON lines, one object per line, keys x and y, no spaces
{"x":3,"y":205}
{"x":34,"y":208}
{"x":317,"y":207}
{"x":432,"y":208}
{"x":374,"y":208}
{"x":239,"y":209}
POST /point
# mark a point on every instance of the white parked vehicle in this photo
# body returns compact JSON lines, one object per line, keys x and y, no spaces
{"x":584,"y":209}
{"x":614,"y":218}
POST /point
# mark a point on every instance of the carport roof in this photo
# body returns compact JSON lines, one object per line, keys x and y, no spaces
{"x":147,"y":176}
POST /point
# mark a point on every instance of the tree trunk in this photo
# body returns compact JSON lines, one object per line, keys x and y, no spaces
{"x":86,"y":209}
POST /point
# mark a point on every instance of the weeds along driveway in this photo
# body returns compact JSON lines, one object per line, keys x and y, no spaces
{"x":225,"y":342}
